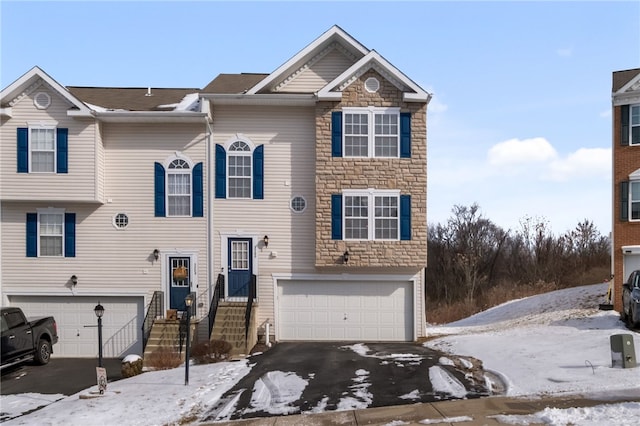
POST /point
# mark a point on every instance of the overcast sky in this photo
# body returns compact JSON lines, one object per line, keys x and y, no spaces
{"x":520,"y":122}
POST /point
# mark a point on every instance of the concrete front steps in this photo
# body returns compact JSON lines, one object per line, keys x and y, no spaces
{"x":165,"y":334}
{"x":229,"y":326}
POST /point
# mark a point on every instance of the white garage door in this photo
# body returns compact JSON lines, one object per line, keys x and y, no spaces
{"x":77,"y":323}
{"x":345,"y":311}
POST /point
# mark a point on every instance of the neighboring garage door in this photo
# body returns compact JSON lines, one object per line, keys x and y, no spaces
{"x":345,"y":311}
{"x":77,"y":323}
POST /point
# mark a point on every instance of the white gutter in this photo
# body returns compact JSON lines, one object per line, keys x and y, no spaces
{"x":150,"y":116}
{"x":286,"y":99}
{"x":209,"y":162}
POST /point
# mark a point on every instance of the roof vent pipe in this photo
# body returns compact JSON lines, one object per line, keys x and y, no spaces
{"x":148,"y":92}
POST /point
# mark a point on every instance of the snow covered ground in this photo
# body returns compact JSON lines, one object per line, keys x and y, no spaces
{"x":552,"y":344}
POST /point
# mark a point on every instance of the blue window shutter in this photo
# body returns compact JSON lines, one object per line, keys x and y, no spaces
{"x":198,"y":191}
{"x":23,"y":150}
{"x":258,"y":173}
{"x":624,"y":201}
{"x":624,"y":125}
{"x":336,"y":134}
{"x":405,"y":135}
{"x":221,"y":172}
{"x":69,"y":235}
{"x":336,"y":216}
{"x":405,"y":217}
{"x":62,"y":150}
{"x":32,"y":234}
{"x":159,"y":192}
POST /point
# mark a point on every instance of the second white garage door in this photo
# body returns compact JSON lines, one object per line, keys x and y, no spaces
{"x":77,"y":323}
{"x":345,"y":311}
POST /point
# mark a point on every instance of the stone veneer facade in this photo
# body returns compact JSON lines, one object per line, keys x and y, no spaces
{"x":409,"y":175}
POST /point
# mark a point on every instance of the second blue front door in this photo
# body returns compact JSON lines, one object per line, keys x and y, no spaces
{"x":240,"y":267}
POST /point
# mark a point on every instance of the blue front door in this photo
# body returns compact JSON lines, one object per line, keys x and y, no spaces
{"x":240,"y":267}
{"x":180,"y":278}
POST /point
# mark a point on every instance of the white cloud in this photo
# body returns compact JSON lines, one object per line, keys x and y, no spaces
{"x":585,"y":162}
{"x":606,"y":113}
{"x":435,"y":106}
{"x":515,"y":151}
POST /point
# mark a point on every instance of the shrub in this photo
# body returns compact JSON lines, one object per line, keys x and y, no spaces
{"x":209,"y":352}
{"x":131,"y":367}
{"x":164,"y":359}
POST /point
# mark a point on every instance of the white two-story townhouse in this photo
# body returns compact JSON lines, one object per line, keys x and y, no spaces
{"x":320,"y":176}
{"x":103,"y":196}
{"x":314,"y":207}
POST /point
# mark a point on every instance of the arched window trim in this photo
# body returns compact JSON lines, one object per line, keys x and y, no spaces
{"x":178,"y":171}
{"x":239,"y":137}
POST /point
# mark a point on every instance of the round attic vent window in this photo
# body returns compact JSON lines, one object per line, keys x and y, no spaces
{"x":372,"y":85}
{"x":42,"y":100}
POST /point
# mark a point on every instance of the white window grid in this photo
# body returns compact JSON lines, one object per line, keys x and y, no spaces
{"x":382,"y":222}
{"x":121,"y":220}
{"x":298,"y":204}
{"x":50,"y":233}
{"x":240,"y":170}
{"x":179,"y":188}
{"x":634,"y":124}
{"x":180,"y":262}
{"x":380,"y":140}
{"x":42,"y":149}
{"x":240,"y":255}
{"x":634,"y":200}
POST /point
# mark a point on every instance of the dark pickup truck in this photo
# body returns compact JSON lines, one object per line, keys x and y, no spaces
{"x":26,"y":339}
{"x":631,"y":300}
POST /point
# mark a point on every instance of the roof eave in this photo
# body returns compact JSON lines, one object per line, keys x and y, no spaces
{"x":151,"y":117}
{"x":261,"y":99}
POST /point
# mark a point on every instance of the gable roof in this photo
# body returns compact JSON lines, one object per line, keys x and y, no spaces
{"x":34,"y":76}
{"x":623,"y":79}
{"x":335,"y":34}
{"x":412,"y":92}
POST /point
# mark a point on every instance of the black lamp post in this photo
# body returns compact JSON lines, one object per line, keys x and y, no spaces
{"x":99,"y":310}
{"x":188,"y":301}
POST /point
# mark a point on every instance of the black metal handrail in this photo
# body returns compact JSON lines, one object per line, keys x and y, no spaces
{"x":154,"y":310}
{"x":247,"y":312}
{"x":215,"y":299}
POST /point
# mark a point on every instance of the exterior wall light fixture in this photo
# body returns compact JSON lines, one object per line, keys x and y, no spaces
{"x":74,"y":280}
{"x":265,"y":240}
{"x":345,"y":256}
{"x":156,"y":254}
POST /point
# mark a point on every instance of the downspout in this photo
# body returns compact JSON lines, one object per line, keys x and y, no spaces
{"x":209,"y":163}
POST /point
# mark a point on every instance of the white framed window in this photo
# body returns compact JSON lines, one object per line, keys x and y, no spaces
{"x":371,"y":214}
{"x":240,"y":255}
{"x":371,"y":132}
{"x":121,"y":221}
{"x":42,"y":149}
{"x":298,"y":204}
{"x":240,"y":170}
{"x":634,"y":124}
{"x":179,"y":188}
{"x":51,"y":232}
{"x":634,"y":200}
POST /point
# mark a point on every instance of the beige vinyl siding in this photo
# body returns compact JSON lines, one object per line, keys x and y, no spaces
{"x":79,"y":184}
{"x":99,"y":163}
{"x":111,"y":261}
{"x":319,"y":73}
{"x":286,"y":133}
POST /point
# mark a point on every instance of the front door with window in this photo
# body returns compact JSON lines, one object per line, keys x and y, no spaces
{"x":240,"y":267}
{"x":180,"y":279}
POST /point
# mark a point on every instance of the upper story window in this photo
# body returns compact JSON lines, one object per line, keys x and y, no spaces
{"x":635,"y":124}
{"x":239,"y":170}
{"x":630,"y":125}
{"x":42,"y":149}
{"x":371,"y":215}
{"x":51,"y":233}
{"x":371,"y":132}
{"x":179,"y":190}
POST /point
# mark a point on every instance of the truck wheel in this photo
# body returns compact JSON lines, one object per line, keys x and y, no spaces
{"x":43,"y":352}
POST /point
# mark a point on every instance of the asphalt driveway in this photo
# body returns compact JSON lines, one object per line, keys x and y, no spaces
{"x":65,"y":376}
{"x":343,"y":376}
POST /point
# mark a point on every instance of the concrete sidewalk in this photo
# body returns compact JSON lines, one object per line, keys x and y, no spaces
{"x":466,"y":412}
